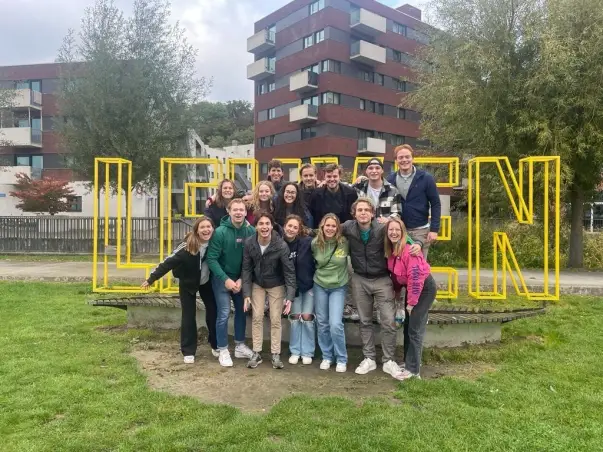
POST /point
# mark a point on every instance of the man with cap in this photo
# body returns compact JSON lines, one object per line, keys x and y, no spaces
{"x":384,"y":196}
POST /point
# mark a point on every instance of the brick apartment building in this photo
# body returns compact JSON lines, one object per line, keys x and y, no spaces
{"x":329,"y":76}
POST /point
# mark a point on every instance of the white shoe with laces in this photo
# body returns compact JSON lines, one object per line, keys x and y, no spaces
{"x":293,"y":359}
{"x":242,"y":351}
{"x":341,"y":367}
{"x":392,"y":368}
{"x":190,"y":359}
{"x":325,"y":364}
{"x":406,"y":375}
{"x":215,"y":353}
{"x":306,"y":360}
{"x":367,"y":365}
{"x":224,"y":359}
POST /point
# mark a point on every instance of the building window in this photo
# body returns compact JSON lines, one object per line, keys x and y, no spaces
{"x":401,"y":113}
{"x":379,"y":79}
{"x":397,"y":56}
{"x":310,"y":101}
{"x":362,"y":104}
{"x":75,"y":203}
{"x":367,"y":76}
{"x":316,"y":6}
{"x":313,"y":68}
{"x":308,"y":41}
{"x":261,"y":89}
{"x":379,"y":108}
{"x":404,"y":58}
{"x":396,"y":140}
{"x":271,"y":113}
{"x":399,"y":28}
{"x":331,"y":66}
{"x":401,"y":85}
{"x":379,"y":135}
{"x":330,"y":98}
{"x":308,"y":132}
{"x":266,"y":142}
{"x":271,"y":86}
{"x":319,"y":36}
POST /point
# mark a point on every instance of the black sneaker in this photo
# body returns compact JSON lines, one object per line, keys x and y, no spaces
{"x":276,"y":361}
{"x":254,"y":361}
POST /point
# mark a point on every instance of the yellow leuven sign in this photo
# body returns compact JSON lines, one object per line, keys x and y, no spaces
{"x":504,"y":263}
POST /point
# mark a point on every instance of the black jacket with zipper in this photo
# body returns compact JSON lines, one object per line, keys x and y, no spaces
{"x":367,"y":260}
{"x":183,"y":265}
{"x":268,"y":270}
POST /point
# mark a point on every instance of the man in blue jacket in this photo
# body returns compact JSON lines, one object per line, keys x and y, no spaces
{"x":419,"y":198}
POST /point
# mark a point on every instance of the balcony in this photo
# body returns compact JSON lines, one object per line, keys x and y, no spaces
{"x":27,"y":98}
{"x":371,"y":146}
{"x":367,"y":22}
{"x":303,"y":81}
{"x":260,"y":69}
{"x":367,"y":53}
{"x":303,"y":113}
{"x":21,"y":137}
{"x":260,"y":42}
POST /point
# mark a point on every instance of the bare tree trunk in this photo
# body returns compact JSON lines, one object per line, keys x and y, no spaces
{"x":576,"y":254}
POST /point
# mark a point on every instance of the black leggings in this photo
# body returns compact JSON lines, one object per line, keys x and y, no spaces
{"x":188,"y":330}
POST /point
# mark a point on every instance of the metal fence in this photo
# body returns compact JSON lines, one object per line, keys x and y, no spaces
{"x":74,"y":235}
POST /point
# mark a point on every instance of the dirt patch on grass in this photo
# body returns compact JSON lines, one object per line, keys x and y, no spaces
{"x":256,"y":390}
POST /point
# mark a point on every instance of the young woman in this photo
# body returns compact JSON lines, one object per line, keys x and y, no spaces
{"x":187,"y":263}
{"x":331,"y":251}
{"x":414,"y":273}
{"x":217,"y":210}
{"x":261,"y":199}
{"x":290,"y":201}
{"x":267,"y":272}
{"x":302,"y":342}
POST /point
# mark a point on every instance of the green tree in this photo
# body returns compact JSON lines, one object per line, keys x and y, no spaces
{"x":519,"y":78}
{"x":218,"y":123}
{"x":42,"y":195}
{"x":128,"y":86}
{"x":6,"y":102}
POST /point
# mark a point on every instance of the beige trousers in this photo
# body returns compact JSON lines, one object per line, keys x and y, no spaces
{"x":276,"y":299}
{"x":421,"y":235}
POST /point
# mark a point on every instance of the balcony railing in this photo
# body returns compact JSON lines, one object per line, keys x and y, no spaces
{"x":36,"y":136}
{"x":261,"y":41}
{"x":367,"y":22}
{"x":262,"y":68}
{"x":303,"y":81}
{"x":370,"y":145}
{"x":367,"y":53}
{"x":303,"y":113}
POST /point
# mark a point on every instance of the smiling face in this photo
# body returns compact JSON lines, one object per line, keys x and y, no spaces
{"x":329,"y":229}
{"x":276,"y":174}
{"x":264,"y":193}
{"x":394,"y":231}
{"x":292,"y":228}
{"x":363,"y":213}
{"x":227,"y":191}
{"x":237,"y":212}
{"x":264,"y":228}
{"x":332,"y":179}
{"x":404,"y":160}
{"x":205,"y":230}
{"x":290,"y":193}
{"x":308,"y":176}
{"x":374,"y":172}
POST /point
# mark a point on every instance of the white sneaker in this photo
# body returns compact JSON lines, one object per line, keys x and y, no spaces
{"x":406,"y":375}
{"x":293,"y":359}
{"x":242,"y":351}
{"x":224,"y":358}
{"x":366,"y":366}
{"x":325,"y":364}
{"x":306,"y":360}
{"x":215,"y":353}
{"x":190,"y":359}
{"x":392,"y":368}
{"x":341,"y":367}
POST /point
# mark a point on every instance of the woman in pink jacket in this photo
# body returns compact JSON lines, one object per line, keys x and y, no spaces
{"x":414,"y":273}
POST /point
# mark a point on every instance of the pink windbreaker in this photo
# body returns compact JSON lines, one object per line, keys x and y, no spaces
{"x":409,"y":271}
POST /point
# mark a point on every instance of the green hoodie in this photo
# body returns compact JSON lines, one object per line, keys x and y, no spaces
{"x":331,"y":268}
{"x":225,"y":252}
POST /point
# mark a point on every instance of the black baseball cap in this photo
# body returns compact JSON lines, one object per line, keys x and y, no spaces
{"x":374,"y":161}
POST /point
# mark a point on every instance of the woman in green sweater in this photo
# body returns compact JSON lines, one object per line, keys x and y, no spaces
{"x":331,"y":251}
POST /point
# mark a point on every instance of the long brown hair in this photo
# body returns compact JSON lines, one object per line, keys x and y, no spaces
{"x":303,"y":230}
{"x":219,"y":200}
{"x":254,"y":204}
{"x":192,"y":239}
{"x":395,"y":249}
{"x":321,"y":241}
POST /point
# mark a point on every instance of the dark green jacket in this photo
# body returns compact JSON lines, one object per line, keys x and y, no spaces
{"x":225,"y":252}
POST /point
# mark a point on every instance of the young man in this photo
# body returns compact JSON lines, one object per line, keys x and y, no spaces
{"x":371,"y":285}
{"x":225,"y":260}
{"x":308,"y":183}
{"x":419,"y":196}
{"x":334,"y":197}
{"x":384,"y":196}
{"x":275,"y":174}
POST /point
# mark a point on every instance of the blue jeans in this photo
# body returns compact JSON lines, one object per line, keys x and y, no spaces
{"x":303,"y":334}
{"x":223,"y":304}
{"x":329,"y":318}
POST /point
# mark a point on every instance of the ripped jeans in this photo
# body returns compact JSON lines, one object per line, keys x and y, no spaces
{"x":303,"y":335}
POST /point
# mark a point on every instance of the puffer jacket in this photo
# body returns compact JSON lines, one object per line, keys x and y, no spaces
{"x":367,"y":260}
{"x":268,"y":270}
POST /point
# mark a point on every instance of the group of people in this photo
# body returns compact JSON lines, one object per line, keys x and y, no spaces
{"x":296,"y":258}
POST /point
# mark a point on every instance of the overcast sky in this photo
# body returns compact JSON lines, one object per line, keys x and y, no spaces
{"x":32,"y":32}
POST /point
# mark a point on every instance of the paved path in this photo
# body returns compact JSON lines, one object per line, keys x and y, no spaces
{"x":571,"y":282}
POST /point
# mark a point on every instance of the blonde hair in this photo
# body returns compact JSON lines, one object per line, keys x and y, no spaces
{"x":403,"y":146}
{"x":192,"y":239}
{"x":395,"y":249}
{"x":254,"y":204}
{"x":361,"y":200}
{"x":321,"y":241}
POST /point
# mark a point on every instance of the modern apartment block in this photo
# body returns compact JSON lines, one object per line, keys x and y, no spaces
{"x":329,"y":76}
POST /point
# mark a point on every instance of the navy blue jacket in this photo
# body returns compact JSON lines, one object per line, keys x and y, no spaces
{"x":422,"y":194}
{"x":301,"y":255}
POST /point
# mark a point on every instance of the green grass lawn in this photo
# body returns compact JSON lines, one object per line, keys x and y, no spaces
{"x":66,"y":385}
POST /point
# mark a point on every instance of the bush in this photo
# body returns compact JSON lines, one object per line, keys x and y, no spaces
{"x":593,"y":250}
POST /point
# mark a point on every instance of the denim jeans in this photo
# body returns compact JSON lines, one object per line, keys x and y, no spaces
{"x":303,"y":334}
{"x":329,"y":318}
{"x":223,"y":297}
{"x":415,"y":324}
